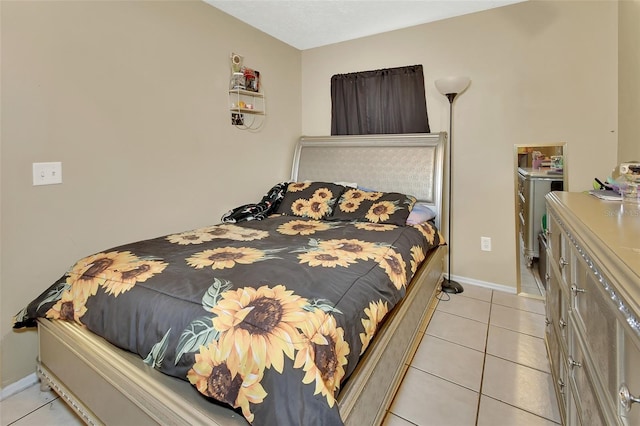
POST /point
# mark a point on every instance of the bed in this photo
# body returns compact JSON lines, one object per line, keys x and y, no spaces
{"x":340,"y":374}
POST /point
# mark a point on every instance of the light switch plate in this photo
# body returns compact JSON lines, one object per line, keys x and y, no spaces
{"x":485,"y":243}
{"x":47,"y":173}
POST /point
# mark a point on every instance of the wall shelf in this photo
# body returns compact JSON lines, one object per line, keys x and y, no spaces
{"x":247,"y":108}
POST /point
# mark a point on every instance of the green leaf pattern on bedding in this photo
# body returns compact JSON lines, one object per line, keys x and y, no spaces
{"x":156,"y":356}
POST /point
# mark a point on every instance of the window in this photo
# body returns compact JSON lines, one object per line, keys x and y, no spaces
{"x":383,"y":101}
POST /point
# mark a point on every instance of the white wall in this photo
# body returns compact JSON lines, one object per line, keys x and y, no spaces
{"x":132,"y":98}
{"x":629,"y":81}
{"x":541,"y":72}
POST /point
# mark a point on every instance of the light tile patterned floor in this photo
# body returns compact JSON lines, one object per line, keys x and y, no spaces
{"x":482,"y":361}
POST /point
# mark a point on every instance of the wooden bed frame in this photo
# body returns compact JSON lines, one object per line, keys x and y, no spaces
{"x":107,"y":385}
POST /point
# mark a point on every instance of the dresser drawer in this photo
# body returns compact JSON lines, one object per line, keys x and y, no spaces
{"x":559,"y":249}
{"x":583,"y":386}
{"x":596,"y":319}
{"x":558,"y":363}
{"x":629,"y":378}
{"x":557,"y":306}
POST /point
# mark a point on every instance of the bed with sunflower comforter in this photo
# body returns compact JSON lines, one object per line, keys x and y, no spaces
{"x":269,"y":314}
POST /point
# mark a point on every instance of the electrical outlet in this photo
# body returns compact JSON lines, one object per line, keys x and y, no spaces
{"x":485,"y":243}
{"x":47,"y":173}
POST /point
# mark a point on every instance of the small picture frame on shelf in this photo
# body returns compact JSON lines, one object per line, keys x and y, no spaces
{"x":237,"y":119}
{"x":251,"y":79}
{"x":236,"y":63}
{"x":237,"y":81}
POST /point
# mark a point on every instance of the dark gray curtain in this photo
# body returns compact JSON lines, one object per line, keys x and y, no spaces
{"x":385,"y":101}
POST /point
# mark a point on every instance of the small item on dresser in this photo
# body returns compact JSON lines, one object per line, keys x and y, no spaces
{"x":606,"y":194}
{"x":626,"y":177}
{"x":557,"y":162}
{"x":598,"y":184}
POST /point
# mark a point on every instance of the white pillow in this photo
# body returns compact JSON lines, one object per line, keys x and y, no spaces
{"x":420,"y":213}
{"x":347,"y":184}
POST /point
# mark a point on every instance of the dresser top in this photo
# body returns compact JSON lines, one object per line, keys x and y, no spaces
{"x":609,"y":231}
{"x":542,"y":172}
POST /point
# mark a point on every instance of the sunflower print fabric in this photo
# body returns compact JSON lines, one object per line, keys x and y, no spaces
{"x":375,"y":207}
{"x":314,"y":200}
{"x":253,"y":313}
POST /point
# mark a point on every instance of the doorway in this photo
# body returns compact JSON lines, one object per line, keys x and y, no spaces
{"x":538,"y":170}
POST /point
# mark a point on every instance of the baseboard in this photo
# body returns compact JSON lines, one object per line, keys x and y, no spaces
{"x":485,"y":284}
{"x":18,"y":386}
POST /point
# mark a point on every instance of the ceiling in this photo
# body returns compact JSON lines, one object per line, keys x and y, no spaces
{"x":305,"y":24}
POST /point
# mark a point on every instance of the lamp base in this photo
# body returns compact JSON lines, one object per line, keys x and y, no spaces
{"x":449,"y":286}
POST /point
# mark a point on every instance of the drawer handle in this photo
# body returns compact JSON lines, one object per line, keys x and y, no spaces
{"x":573,"y":363}
{"x":563,"y":263}
{"x":547,"y":321}
{"x":561,"y":386}
{"x":562,"y":323}
{"x":626,"y":399}
{"x":575,"y":289}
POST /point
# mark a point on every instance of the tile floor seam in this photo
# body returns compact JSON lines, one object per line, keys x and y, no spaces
{"x":484,"y":360}
{"x":442,"y":378}
{"x":445,"y":379}
{"x":426,"y":332}
{"x":517,"y":406}
{"x":520,"y":408}
{"x":516,"y":331}
{"x":453,"y":343}
{"x":456,"y":343}
{"x":33,"y":411}
{"x":471,"y":297}
{"x":519,"y":309}
{"x":406,"y":420}
{"x":516,"y":362}
{"x":461,"y":316}
{"x":30,"y":412}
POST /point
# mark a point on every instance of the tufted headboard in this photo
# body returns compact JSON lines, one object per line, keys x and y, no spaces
{"x":407,"y":163}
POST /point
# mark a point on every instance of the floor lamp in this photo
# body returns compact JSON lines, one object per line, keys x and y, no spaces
{"x":451,"y":87}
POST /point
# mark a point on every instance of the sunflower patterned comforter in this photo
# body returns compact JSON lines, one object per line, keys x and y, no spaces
{"x":269,"y":317}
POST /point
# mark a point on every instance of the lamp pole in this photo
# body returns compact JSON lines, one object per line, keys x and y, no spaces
{"x":451,"y":87}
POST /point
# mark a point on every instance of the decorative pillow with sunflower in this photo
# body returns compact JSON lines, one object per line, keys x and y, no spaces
{"x":314,"y":200}
{"x":375,"y":207}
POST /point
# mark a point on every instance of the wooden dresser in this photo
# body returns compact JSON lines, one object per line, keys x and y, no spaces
{"x":593,"y":308}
